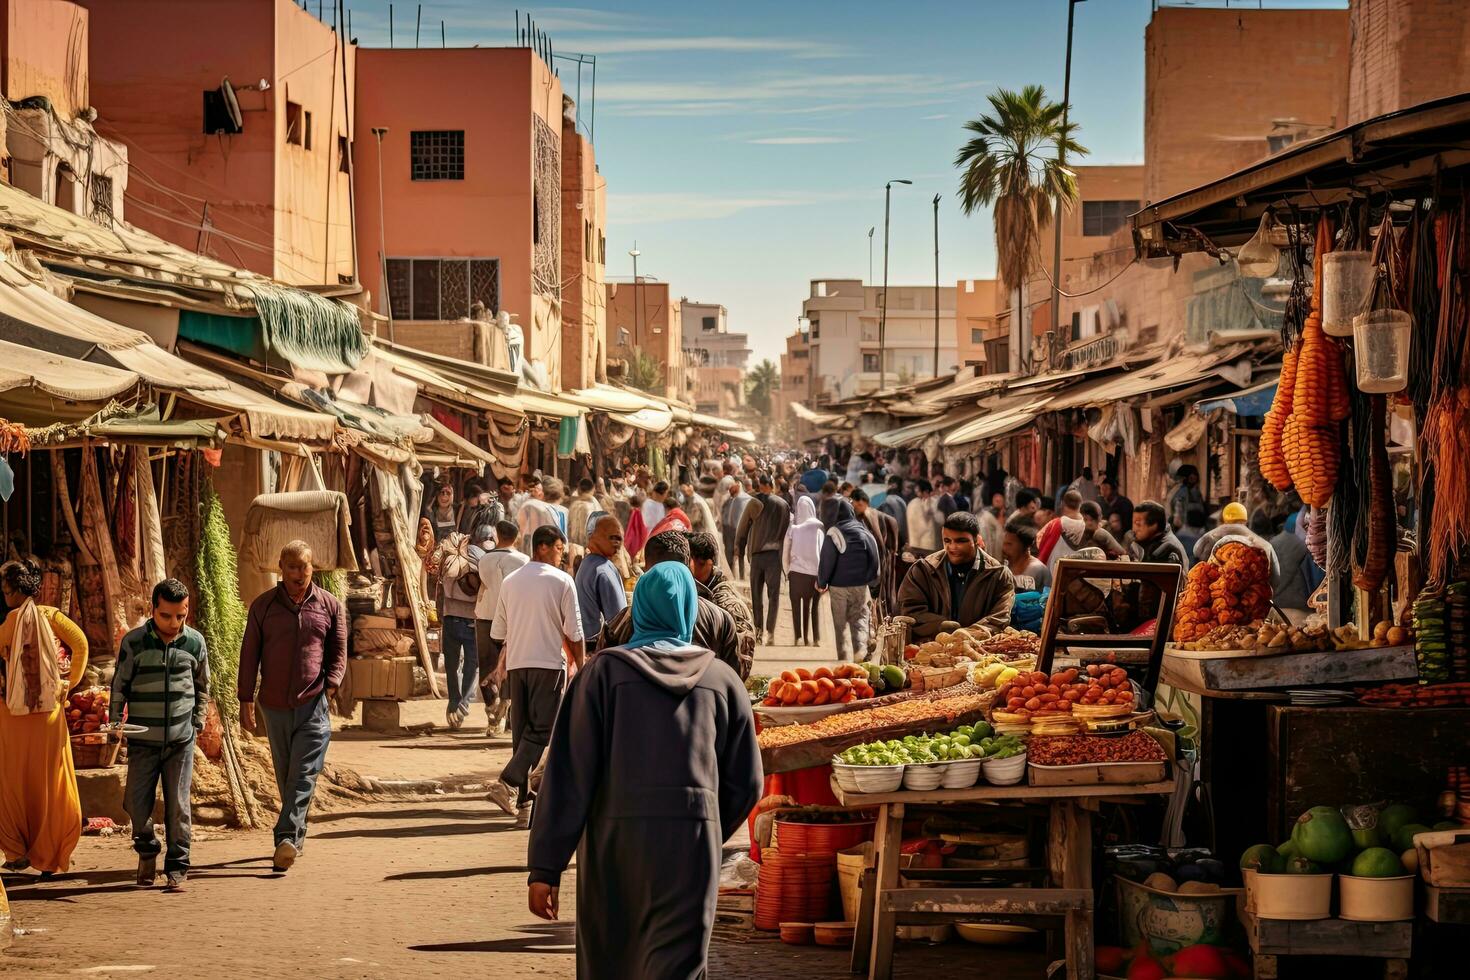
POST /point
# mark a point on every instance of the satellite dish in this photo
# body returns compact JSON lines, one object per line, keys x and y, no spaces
{"x":232,"y":105}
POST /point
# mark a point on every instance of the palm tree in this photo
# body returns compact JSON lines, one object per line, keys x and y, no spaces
{"x":761,"y":382}
{"x":645,"y":373}
{"x":1014,"y":162}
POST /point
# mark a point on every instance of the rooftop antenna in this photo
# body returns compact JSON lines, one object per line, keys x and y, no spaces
{"x":417,"y":19}
{"x":390,"y":25}
{"x":442,"y":42}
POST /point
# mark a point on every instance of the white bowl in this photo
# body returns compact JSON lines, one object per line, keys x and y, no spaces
{"x":878,"y":779}
{"x":1005,"y":772}
{"x":846,"y":776}
{"x":961,"y":773}
{"x":922,"y":775}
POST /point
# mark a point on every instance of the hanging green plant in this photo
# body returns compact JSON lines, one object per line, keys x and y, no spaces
{"x":221,"y":613}
{"x":334,"y":582}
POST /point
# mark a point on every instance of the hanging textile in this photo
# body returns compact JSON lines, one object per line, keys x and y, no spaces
{"x":153,"y":564}
{"x":310,"y":331}
{"x":321,"y":518}
{"x":99,"y":588}
{"x":395,"y":536}
{"x":566,"y":437}
{"x":507,"y":440}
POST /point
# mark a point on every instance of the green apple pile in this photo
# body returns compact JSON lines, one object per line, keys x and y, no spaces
{"x":966,"y":742}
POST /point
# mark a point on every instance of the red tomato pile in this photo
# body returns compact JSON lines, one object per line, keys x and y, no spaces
{"x":1039,"y":693}
{"x":825,"y":685}
{"x":86,"y":711}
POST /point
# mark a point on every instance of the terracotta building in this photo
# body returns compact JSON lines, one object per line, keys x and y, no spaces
{"x":583,"y":259}
{"x":238,"y":117}
{"x":643,"y":318}
{"x":719,"y":356}
{"x":471,"y":195}
{"x":1405,"y":52}
{"x":795,"y":380}
{"x":48,"y":143}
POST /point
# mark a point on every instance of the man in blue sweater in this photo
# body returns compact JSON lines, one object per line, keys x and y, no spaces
{"x":848,"y":565}
{"x":162,"y":679}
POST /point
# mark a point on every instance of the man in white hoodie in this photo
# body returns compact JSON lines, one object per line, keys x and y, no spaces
{"x":923,"y":521}
{"x":801,"y":555}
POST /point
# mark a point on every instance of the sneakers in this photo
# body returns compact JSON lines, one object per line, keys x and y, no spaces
{"x":176,"y":881}
{"x":503,"y":796}
{"x":284,"y":857}
{"x":147,"y":869}
{"x":523,"y":818}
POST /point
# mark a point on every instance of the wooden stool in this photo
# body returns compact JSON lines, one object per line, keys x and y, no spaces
{"x":1271,"y":939}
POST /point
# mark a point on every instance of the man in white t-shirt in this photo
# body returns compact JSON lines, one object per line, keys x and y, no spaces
{"x":545,"y":630}
{"x":535,"y":512}
{"x":656,"y":507}
{"x":494,"y":565}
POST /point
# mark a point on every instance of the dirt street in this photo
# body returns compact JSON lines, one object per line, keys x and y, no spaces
{"x":428,"y":887}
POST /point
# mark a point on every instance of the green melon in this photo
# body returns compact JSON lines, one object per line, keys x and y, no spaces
{"x":1394,"y":816}
{"x":1322,"y":835}
{"x":1263,"y":858}
{"x":1366,"y":837}
{"x":1377,"y":862}
{"x":1403,"y":838}
{"x":1301,"y":866}
{"x":1287,"y":849}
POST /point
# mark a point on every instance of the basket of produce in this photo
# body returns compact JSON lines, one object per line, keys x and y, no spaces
{"x":1037,"y":693}
{"x":1232,"y":588}
{"x":1007,"y":765}
{"x":822,"y":830}
{"x":1170,"y":915}
{"x":803,"y":695}
{"x":1079,"y":760}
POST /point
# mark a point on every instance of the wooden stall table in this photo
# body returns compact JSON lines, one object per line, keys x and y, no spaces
{"x":1069,"y":863}
{"x":1271,"y":939}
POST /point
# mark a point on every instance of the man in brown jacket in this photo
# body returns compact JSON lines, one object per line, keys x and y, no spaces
{"x":960,"y":584}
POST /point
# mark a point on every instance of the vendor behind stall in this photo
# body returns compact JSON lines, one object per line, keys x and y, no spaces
{"x":960,"y":584}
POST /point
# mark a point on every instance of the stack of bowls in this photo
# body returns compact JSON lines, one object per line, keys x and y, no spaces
{"x":921,"y":776}
{"x":1005,"y":772}
{"x":961,"y":774}
{"x":878,"y":779}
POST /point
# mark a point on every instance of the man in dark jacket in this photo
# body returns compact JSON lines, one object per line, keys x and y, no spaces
{"x":714,"y":629}
{"x":849,"y":564}
{"x":653,"y":766}
{"x":763,"y":530}
{"x":885,"y":531}
{"x":704,"y":550}
{"x":961,"y":584}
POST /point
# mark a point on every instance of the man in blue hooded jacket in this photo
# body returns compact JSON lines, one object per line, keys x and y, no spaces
{"x":849,"y":564}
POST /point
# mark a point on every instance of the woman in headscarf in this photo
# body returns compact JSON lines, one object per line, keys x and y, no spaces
{"x":849,"y":565}
{"x":800,"y":554}
{"x":653,"y":765}
{"x":40,"y":814}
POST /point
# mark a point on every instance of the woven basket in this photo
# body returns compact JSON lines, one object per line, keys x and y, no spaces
{"x":88,"y":752}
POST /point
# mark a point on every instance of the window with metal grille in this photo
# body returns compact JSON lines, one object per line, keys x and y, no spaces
{"x":977,"y":335}
{"x":870,"y":363}
{"x":442,"y":289}
{"x":436,"y":154}
{"x":1105,"y":217}
{"x":101,"y":200}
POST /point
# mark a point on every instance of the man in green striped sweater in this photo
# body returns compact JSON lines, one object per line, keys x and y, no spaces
{"x":162,"y":679}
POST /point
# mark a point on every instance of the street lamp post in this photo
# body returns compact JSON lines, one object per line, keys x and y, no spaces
{"x":380,"y":132}
{"x":1056,"y":218}
{"x":637,"y":320}
{"x":870,"y":254}
{"x":936,"y":290}
{"x":883,"y":308}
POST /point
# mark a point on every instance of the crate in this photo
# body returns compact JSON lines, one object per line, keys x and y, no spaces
{"x":382,"y":678}
{"x":1090,"y":774}
{"x":97,"y":750}
{"x":1444,"y":858}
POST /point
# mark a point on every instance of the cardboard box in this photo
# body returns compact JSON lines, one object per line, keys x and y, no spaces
{"x":1444,"y":858}
{"x":380,"y":677}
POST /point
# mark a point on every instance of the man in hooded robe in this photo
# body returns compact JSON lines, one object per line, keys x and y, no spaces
{"x":652,"y":767}
{"x":848,"y":566}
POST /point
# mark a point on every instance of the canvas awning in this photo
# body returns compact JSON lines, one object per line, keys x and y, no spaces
{"x":1171,"y":373}
{"x":607,"y":398}
{"x":450,"y":443}
{"x":647,"y":419}
{"x":912,"y":435}
{"x":438,"y":385}
{"x":265,"y":417}
{"x":994,"y":424}
{"x":817,"y":418}
{"x":39,"y":387}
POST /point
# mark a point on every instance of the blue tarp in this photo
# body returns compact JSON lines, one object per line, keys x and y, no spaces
{"x":1251,"y":402}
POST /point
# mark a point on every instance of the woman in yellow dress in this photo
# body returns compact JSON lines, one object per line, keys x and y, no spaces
{"x":40,"y":815}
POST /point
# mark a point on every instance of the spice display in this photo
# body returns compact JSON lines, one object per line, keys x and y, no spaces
{"x":918,"y":711}
{"x":1081,"y":750}
{"x":1232,"y":588}
{"x":1452,"y":695}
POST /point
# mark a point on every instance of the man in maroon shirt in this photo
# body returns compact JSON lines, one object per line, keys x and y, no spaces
{"x":296,"y":647}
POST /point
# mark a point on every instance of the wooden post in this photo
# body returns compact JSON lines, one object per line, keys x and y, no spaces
{"x":1069,"y":858}
{"x":888,"y":839}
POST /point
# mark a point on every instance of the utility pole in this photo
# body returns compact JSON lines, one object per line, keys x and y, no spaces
{"x":936,"y":289}
{"x":637,"y":288}
{"x":870,"y":255}
{"x":1056,"y":218}
{"x":380,"y":132}
{"x":883,"y":308}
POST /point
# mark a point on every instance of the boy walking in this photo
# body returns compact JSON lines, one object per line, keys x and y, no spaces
{"x":162,"y":679}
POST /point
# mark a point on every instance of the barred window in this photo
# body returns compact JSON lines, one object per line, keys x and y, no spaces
{"x":1105,"y":217}
{"x":436,"y":154}
{"x":442,"y":289}
{"x":101,"y":200}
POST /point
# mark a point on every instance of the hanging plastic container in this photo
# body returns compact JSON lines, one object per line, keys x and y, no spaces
{"x":1258,"y":258}
{"x":1347,"y":288}
{"x":1381,"y":349}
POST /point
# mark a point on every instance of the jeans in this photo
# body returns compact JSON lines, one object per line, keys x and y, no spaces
{"x":765,"y":584}
{"x":801,"y":589}
{"x":461,"y":660}
{"x":298,"y":740}
{"x":850,"y":612}
{"x":535,"y":698}
{"x":173,"y":765}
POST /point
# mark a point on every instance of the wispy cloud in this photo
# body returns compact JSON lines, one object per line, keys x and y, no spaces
{"x":790,"y":93}
{"x":937,"y":115}
{"x":800,"y":140}
{"x":654,"y":44}
{"x":662,"y":207}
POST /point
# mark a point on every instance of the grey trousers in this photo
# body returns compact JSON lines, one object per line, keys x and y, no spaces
{"x":298,"y":740}
{"x":172,"y":765}
{"x":850,"y":614}
{"x":765,"y":588}
{"x":535,"y":698}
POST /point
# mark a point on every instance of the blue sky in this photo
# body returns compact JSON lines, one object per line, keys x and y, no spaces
{"x":746,"y":144}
